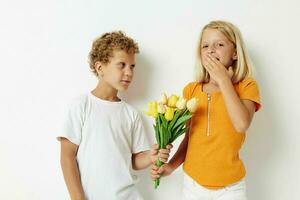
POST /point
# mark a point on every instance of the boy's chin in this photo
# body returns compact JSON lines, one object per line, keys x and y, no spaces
{"x":123,"y":88}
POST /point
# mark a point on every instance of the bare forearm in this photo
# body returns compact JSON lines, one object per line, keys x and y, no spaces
{"x":141,"y":160}
{"x":179,"y":156}
{"x":72,"y":177}
{"x":238,"y":112}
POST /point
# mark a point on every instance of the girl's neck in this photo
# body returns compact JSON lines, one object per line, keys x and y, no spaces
{"x":210,"y":87}
{"x":213,"y":82}
{"x":105,"y":92}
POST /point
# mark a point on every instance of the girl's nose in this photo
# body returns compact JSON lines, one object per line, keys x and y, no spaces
{"x":211,"y":49}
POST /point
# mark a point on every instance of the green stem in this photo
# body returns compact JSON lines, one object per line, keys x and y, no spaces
{"x":157,"y":181}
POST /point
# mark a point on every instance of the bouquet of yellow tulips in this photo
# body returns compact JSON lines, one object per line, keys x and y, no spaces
{"x":171,"y":115}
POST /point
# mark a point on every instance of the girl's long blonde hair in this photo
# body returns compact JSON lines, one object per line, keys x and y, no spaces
{"x":242,"y":67}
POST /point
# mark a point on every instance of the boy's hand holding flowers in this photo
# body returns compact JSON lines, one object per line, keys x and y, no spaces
{"x":161,"y":154}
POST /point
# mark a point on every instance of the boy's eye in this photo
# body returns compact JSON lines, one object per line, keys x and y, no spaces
{"x":204,"y":46}
{"x":122,"y":64}
{"x":132,"y":67}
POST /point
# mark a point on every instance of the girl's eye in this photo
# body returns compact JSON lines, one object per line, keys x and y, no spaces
{"x":204,"y":46}
{"x":220,"y":45}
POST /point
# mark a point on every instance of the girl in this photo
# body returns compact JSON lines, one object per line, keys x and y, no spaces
{"x":228,"y":98}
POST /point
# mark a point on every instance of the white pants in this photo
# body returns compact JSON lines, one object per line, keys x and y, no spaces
{"x":193,"y":191}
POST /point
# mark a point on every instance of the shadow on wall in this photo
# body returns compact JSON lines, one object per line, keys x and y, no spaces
{"x":260,"y":152}
{"x":137,"y":93}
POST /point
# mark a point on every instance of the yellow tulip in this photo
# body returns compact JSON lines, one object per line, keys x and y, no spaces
{"x":181,"y":104}
{"x":163,"y":99}
{"x":169,"y":113}
{"x":172,"y":101}
{"x":152,"y":109}
{"x":161,"y":108}
{"x":192,"y":105}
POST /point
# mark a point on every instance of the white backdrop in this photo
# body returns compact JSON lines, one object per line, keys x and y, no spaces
{"x":43,"y":50}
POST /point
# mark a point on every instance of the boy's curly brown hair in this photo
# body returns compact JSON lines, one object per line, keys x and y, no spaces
{"x":103,"y":47}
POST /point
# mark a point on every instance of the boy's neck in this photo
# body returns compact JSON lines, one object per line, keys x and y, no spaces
{"x":106,"y":93}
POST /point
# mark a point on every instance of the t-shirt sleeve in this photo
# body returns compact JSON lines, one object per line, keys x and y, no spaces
{"x":249,"y":90}
{"x":140,"y":141}
{"x":73,"y":123}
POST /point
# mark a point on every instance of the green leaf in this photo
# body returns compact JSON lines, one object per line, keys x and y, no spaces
{"x":182,"y":119}
{"x":173,"y":121}
{"x":163,"y":131}
{"x":179,"y":133}
{"x":156,"y":133}
{"x":161,"y":136}
{"x":164,"y":121}
{"x":167,"y":137}
{"x":159,"y":130}
{"x":166,"y":134}
{"x":181,"y":126}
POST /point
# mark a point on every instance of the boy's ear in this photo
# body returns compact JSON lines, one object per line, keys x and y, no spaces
{"x":98,"y":68}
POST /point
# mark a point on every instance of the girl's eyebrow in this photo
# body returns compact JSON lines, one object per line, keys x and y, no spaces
{"x":214,"y":40}
{"x":218,"y":41}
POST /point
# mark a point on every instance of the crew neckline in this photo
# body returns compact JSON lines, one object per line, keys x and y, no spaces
{"x":211,"y":94}
{"x":105,"y":101}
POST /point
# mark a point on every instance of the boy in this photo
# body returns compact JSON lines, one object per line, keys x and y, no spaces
{"x":103,"y":137}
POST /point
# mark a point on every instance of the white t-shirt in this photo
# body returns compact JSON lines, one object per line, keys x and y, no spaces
{"x":107,"y":134}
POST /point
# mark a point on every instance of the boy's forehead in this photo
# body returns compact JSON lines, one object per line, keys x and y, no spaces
{"x":122,"y":54}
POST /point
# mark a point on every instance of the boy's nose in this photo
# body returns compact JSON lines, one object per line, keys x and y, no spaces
{"x":128,"y":72}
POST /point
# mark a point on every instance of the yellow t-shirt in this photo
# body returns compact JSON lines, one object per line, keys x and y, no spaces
{"x":212,"y":157}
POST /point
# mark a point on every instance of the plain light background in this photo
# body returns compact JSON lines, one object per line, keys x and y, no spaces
{"x":43,"y":59}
